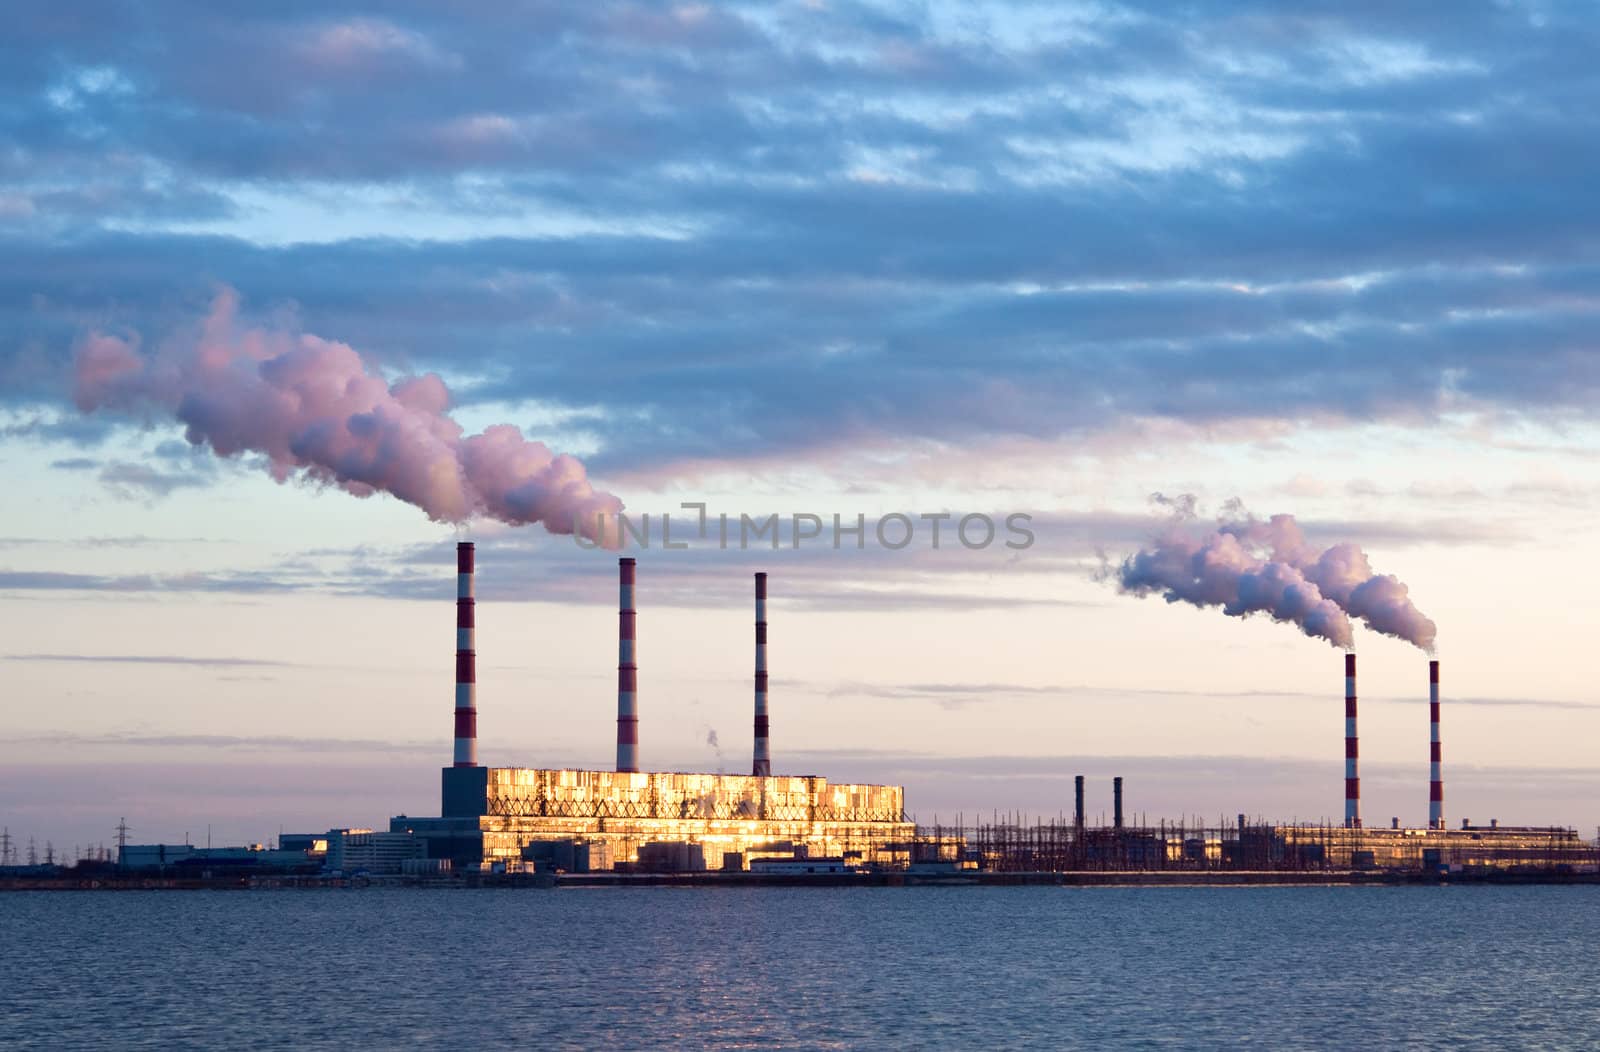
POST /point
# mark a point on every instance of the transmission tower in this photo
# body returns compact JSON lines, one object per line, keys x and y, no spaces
{"x":122,"y":840}
{"x":33,"y":853}
{"x":5,"y":846}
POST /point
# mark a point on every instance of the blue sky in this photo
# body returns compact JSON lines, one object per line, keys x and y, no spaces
{"x":823,"y":257}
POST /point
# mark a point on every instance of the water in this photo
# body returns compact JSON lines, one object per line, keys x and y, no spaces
{"x":929,"y":967}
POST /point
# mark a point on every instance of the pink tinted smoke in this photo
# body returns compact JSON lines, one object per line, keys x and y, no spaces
{"x":312,"y":407}
{"x":1248,"y":565}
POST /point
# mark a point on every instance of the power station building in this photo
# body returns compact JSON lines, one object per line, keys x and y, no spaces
{"x":493,"y":817}
{"x":497,"y":815}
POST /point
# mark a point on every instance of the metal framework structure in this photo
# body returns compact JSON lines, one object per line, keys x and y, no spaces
{"x":1011,"y":844}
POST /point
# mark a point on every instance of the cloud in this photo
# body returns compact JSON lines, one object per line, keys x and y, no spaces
{"x":257,"y":742}
{"x":522,"y":566}
{"x":140,"y":481}
{"x":127,"y":541}
{"x":957,"y":694}
{"x":152,"y":659}
{"x":245,"y":582}
{"x":1225,"y":215}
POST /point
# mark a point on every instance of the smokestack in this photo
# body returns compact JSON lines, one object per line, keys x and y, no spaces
{"x":627,"y":676}
{"x":762,"y":767}
{"x":466,"y":753}
{"x":1352,"y":778}
{"x":1435,"y":757}
{"x":1116,"y":801}
{"x":1077,"y":807}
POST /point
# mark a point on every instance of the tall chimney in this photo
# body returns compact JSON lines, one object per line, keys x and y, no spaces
{"x":762,"y":767}
{"x":1077,"y":802}
{"x":1116,"y":801}
{"x":627,"y":676}
{"x":1352,"y":778}
{"x":1435,"y":757}
{"x":466,"y":753}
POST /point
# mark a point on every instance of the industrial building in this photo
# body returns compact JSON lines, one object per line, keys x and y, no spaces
{"x":1246,"y":846}
{"x":186,"y":858}
{"x":497,"y":816}
{"x":366,"y":851}
{"x":632,"y":819}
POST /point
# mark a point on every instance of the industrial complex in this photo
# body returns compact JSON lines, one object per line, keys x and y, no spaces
{"x":505,"y":817}
{"x":501,"y":816}
{"x":627,"y":823}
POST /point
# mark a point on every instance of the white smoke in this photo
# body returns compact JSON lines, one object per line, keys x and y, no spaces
{"x":314,"y":409}
{"x":1246,"y":565}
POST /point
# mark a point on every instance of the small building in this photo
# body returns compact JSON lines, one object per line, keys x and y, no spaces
{"x":152,"y":856}
{"x":308,"y":843}
{"x":366,"y":851}
{"x":671,"y":856}
{"x":188,"y":859}
{"x":568,"y":855}
{"x":798,"y":866}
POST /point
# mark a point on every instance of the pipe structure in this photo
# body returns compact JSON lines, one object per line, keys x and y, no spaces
{"x":761,"y":767}
{"x":1116,"y":801}
{"x":1077,"y":803}
{"x":1352,"y":777}
{"x":466,"y":750}
{"x":627,"y":674}
{"x":1435,"y":753}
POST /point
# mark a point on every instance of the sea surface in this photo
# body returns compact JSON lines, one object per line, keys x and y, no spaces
{"x":921,"y":967}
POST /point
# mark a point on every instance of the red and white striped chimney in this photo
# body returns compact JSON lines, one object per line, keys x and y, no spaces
{"x":1435,"y":754}
{"x":466,"y":754}
{"x":1352,"y":778}
{"x":762,"y":768}
{"x":627,"y":676}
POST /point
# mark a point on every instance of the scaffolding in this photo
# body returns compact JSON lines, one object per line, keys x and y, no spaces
{"x":1011,"y":844}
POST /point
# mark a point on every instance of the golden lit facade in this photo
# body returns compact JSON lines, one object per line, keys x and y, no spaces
{"x":724,"y":814}
{"x":1497,"y":847}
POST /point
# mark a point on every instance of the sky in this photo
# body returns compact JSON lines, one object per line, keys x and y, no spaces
{"x":815,"y":258}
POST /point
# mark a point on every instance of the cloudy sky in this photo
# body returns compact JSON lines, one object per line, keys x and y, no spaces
{"x":820,"y":257}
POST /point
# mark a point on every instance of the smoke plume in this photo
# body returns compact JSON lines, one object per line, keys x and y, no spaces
{"x":315,"y":411}
{"x":1247,"y":565}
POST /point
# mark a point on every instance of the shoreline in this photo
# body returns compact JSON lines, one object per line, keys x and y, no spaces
{"x":1081,"y":879}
